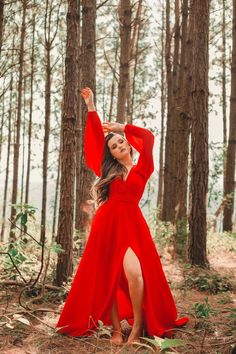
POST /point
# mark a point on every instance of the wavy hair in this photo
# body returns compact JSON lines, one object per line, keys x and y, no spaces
{"x":111,"y":169}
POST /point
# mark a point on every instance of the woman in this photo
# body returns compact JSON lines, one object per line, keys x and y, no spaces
{"x":120,"y":275}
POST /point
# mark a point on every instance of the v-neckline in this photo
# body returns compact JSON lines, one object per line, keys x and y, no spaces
{"x":124,"y":180}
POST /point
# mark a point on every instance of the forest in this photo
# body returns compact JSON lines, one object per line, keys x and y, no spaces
{"x":168,"y":66}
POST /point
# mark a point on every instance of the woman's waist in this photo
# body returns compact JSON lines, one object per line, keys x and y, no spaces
{"x":123,"y":198}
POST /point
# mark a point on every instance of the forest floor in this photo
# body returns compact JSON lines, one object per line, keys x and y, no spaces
{"x":208,"y":297}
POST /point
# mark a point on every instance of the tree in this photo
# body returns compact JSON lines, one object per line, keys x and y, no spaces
{"x":231,"y":148}
{"x":85,"y":177}
{"x":199,"y":15}
{"x":1,"y":22}
{"x":183,"y":120}
{"x":49,"y":40}
{"x":69,"y":117}
{"x":125,"y":14}
{"x":18,"y":120}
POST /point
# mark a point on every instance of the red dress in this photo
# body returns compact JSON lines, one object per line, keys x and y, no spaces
{"x":118,"y":224}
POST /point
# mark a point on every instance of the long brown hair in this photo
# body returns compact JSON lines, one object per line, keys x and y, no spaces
{"x":110,"y":169}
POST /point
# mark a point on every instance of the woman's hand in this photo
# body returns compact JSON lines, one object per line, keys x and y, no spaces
{"x":112,"y":127}
{"x":88,"y":97}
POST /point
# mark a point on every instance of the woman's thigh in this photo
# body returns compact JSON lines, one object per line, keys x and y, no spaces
{"x":131,"y":265}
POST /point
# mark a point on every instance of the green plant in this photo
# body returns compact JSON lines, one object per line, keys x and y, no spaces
{"x":165,"y":343}
{"x":202,"y":310}
{"x":23,"y":211}
{"x":213,"y":283}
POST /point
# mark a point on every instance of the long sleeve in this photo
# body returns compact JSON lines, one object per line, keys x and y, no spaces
{"x":94,"y":142}
{"x":142,"y":140}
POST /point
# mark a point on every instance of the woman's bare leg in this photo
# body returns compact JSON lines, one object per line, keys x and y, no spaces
{"x":134,"y":276}
{"x":116,"y":335}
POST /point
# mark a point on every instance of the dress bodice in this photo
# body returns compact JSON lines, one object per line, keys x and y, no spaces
{"x":129,"y":190}
{"x":140,"y":138}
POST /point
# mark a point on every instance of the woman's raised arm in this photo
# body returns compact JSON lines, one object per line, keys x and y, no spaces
{"x":94,"y":140}
{"x":142,"y":140}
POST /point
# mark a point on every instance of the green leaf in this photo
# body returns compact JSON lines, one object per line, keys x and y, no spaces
{"x":24,"y":219}
{"x":18,"y":216}
{"x":57,"y":248}
{"x":169,"y":343}
{"x":13,"y":252}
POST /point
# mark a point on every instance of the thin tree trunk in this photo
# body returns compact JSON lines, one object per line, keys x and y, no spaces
{"x":163,"y":108}
{"x":32,"y":60}
{"x":125,"y":14}
{"x":69,"y":117}
{"x":1,"y":22}
{"x":113,"y":84}
{"x":49,"y":39}
{"x":134,"y":56}
{"x":199,"y":148}
{"x":8,"y":159}
{"x":56,"y":194}
{"x":231,"y":149}
{"x":2,"y":119}
{"x":23,"y":145}
{"x":47,"y":118}
{"x":224,"y":102}
{"x":18,"y":120}
{"x":57,"y":187}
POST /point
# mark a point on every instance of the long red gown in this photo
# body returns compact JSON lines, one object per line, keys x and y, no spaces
{"x":118,"y":224}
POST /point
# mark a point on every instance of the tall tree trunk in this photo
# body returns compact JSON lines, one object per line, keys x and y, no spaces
{"x":2,"y":101}
{"x":47,"y":29}
{"x":69,"y":117}
{"x":134,"y":56}
{"x":163,"y":108}
{"x":8,"y":159}
{"x":32,"y":60}
{"x":230,"y":182}
{"x":1,"y":23}
{"x":49,"y":39}
{"x":79,"y":133}
{"x":85,"y":176}
{"x":168,"y":210}
{"x":113,"y":84}
{"x":23,"y":145}
{"x":125,"y":14}
{"x":183,"y":131}
{"x":224,"y":104}
{"x":199,"y":147}
{"x":55,"y":204}
{"x":18,"y":119}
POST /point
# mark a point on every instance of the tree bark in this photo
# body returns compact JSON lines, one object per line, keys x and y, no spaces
{"x":134,"y":57}
{"x":182,"y":117}
{"x":8,"y":159}
{"x":32,"y":59}
{"x":85,"y":177}
{"x":169,"y":182}
{"x":231,"y":149}
{"x":1,"y":23}
{"x":49,"y":39}
{"x":125,"y":14}
{"x":69,"y":117}
{"x":18,"y":120}
{"x":163,"y":110}
{"x":199,"y":146}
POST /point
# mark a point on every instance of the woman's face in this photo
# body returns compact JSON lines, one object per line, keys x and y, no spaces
{"x":119,"y":146}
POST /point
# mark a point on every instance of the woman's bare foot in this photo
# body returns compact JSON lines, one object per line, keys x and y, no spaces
{"x":135,"y":334}
{"x":117,"y":338}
